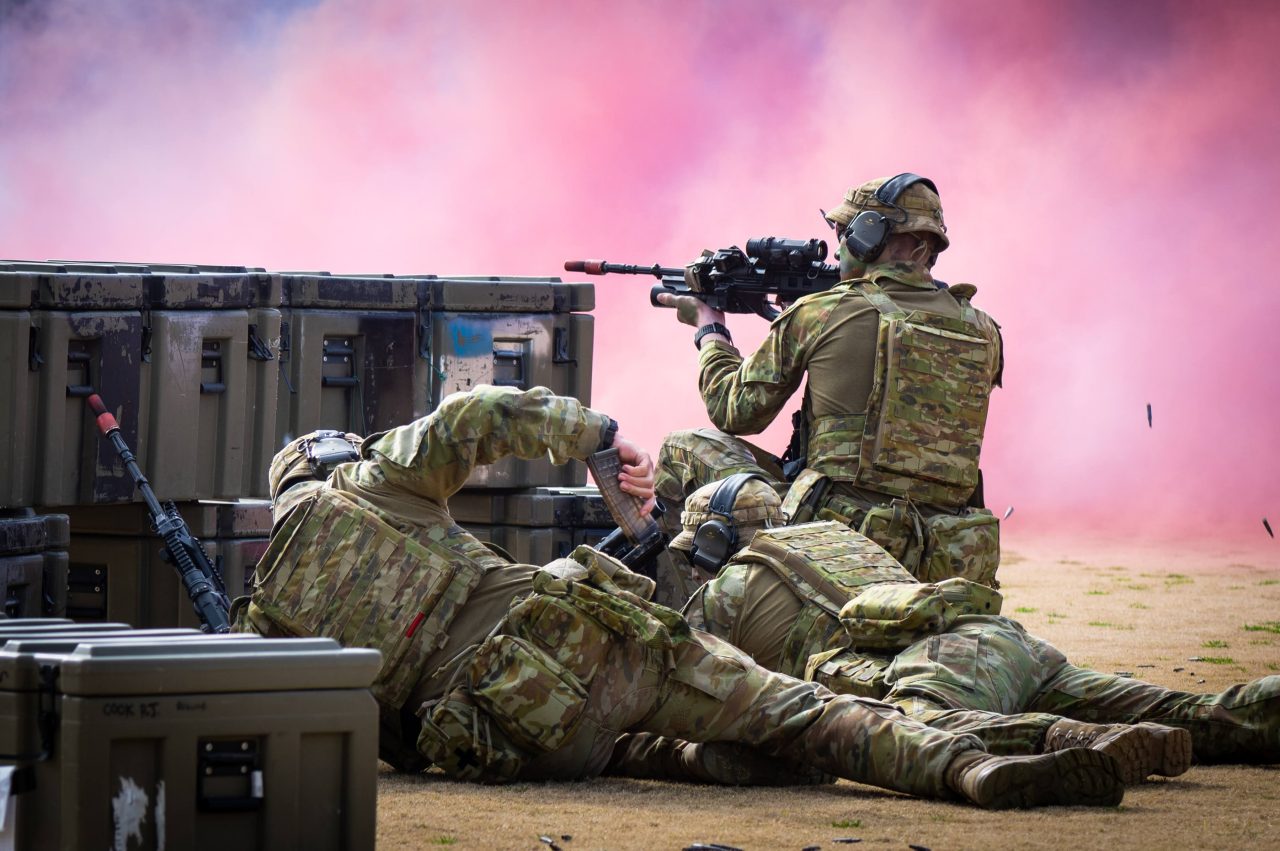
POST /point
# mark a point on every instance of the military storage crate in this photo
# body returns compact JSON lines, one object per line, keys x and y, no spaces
{"x":76,"y":330}
{"x":129,"y":741}
{"x":116,"y":571}
{"x":33,"y":563}
{"x":182,"y":357}
{"x":363,"y":354}
{"x":209,"y":382}
{"x":536,"y":525}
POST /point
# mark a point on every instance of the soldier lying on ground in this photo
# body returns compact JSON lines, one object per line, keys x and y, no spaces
{"x":518,"y":672}
{"x":821,"y":601}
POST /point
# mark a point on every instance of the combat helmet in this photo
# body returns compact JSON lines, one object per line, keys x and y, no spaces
{"x":718,"y":517}
{"x":311,"y":457}
{"x":916,"y":208}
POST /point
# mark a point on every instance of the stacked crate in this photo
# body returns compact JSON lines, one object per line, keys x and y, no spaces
{"x":533,"y":525}
{"x":117,"y":569}
{"x":141,"y":738}
{"x":210,"y":369}
{"x":33,"y":563}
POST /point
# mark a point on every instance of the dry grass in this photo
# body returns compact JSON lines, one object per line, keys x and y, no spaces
{"x":1156,"y":611}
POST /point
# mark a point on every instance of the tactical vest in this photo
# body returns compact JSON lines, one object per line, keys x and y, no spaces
{"x":857,"y":594}
{"x":337,"y":570}
{"x":827,"y":564}
{"x":922,"y":432}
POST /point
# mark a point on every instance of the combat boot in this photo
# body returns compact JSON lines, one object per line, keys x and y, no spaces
{"x":1140,"y":749}
{"x":732,"y":764}
{"x":1076,"y":777}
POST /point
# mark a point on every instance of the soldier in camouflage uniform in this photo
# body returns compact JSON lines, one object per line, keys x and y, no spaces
{"x":521,"y":672}
{"x":823,"y":602}
{"x":899,"y":372}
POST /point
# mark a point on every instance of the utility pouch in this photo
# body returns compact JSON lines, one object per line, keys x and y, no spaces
{"x":532,"y":697}
{"x":896,"y":616}
{"x":804,"y":497}
{"x":970,"y":598}
{"x":846,"y":671}
{"x":966,"y":545}
{"x":464,"y":742}
{"x":896,"y":527}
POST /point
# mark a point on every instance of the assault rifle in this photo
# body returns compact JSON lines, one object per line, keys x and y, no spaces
{"x":182,"y":550}
{"x":764,"y":279}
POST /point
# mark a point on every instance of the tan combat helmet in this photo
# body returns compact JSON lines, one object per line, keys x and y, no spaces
{"x":918,"y":203}
{"x":720,"y":517}
{"x":311,"y":457}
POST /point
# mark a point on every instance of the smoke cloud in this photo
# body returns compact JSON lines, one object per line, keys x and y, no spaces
{"x":1108,"y":171}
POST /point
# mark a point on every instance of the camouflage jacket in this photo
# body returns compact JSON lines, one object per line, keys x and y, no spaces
{"x":830,"y":335}
{"x":407,"y":474}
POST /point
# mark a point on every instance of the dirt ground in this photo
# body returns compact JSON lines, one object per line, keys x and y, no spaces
{"x":1197,"y":619}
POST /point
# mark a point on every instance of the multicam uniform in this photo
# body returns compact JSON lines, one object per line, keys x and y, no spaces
{"x":547,"y":666}
{"x":899,"y":374}
{"x":823,"y":602}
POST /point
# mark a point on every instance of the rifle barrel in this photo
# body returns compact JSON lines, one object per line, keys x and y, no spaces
{"x":601,"y":267}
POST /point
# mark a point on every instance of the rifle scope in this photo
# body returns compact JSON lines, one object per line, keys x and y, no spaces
{"x":795,"y":255}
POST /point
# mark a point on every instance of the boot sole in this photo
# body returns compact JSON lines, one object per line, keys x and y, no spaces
{"x":1073,"y":777}
{"x":1172,"y":749}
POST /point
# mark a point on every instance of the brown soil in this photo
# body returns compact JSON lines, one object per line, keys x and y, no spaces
{"x":1115,"y":607}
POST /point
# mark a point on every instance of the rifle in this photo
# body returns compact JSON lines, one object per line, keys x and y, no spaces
{"x":638,"y":538}
{"x":764,"y":279}
{"x":182,"y":550}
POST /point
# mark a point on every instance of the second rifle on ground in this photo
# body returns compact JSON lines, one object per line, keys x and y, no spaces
{"x":183,"y":550}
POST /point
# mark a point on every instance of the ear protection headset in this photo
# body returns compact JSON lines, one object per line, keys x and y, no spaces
{"x":868,"y":233}
{"x":715,"y":539}
{"x":327,"y":449}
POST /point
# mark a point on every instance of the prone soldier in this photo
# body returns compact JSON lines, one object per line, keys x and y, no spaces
{"x":823,"y":602}
{"x":497,"y":671}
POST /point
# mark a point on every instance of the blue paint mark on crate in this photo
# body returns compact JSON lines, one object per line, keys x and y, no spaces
{"x":471,"y":338}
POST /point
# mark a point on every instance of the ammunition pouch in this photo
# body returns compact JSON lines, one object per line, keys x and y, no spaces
{"x":932,"y":545}
{"x":805,"y":497}
{"x":897,"y":528}
{"x":461,"y":738}
{"x":526,"y":687}
{"x":896,"y":616}
{"x":892,"y":617}
{"x":847,"y":671}
{"x":966,"y":545}
{"x":534,"y":699}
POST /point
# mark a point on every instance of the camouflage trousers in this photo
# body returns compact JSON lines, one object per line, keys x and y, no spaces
{"x":687,"y":461}
{"x":988,"y":676}
{"x":931,"y":542}
{"x":696,"y":457}
{"x":573,"y":667}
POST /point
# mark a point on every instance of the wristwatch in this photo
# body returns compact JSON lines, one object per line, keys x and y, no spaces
{"x":608,"y":435}
{"x":713,"y":328}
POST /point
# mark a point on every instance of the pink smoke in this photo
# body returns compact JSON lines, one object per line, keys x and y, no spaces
{"x":1108,"y":172}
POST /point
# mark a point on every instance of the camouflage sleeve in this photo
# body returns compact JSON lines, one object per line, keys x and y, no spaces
{"x":433,"y":456}
{"x":744,"y":396}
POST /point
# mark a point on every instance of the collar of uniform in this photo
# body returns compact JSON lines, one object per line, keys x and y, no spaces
{"x":902,"y":271}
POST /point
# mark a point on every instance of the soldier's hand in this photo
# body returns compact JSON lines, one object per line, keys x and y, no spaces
{"x":690,"y":310}
{"x":636,"y":477}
